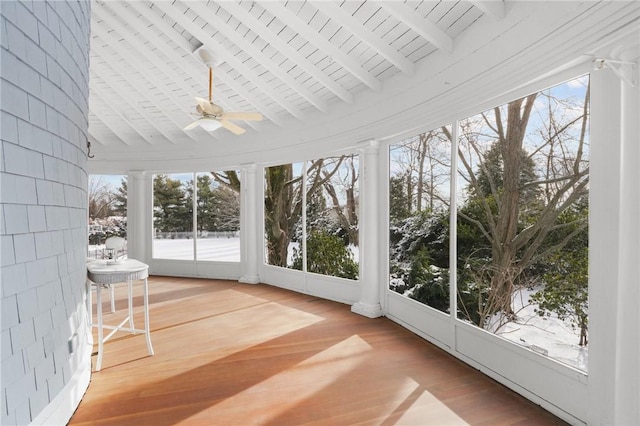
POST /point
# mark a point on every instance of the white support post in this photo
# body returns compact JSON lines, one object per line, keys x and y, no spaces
{"x":369,"y":304}
{"x":136,"y":214}
{"x":614,"y":294}
{"x":627,"y":378}
{"x":249,"y":240}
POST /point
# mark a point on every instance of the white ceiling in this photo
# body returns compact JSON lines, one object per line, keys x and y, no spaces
{"x":296,"y":62}
{"x":283,"y":59}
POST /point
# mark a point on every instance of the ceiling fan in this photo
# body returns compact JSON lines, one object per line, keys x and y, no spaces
{"x":213,"y":117}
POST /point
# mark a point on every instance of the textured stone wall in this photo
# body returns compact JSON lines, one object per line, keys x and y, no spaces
{"x":43,"y":182}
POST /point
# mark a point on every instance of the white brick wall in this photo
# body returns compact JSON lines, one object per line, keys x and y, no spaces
{"x":43,"y":188}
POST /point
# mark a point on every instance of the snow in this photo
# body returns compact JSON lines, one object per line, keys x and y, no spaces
{"x":209,"y":249}
{"x":212,"y":249}
{"x":548,"y":336}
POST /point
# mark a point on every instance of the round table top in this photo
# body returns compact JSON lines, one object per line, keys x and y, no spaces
{"x":104,"y":272}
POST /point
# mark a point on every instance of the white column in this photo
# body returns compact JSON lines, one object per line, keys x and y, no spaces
{"x":249,"y":240}
{"x":614,"y":295}
{"x":136,"y":215}
{"x":627,"y":378}
{"x":369,"y":304}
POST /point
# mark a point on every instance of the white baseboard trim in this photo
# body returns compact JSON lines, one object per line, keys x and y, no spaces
{"x":249,"y":279}
{"x":370,"y":311}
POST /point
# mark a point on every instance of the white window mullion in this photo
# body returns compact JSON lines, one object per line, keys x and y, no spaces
{"x":194,"y":204}
{"x":303,"y":242}
{"x":453,"y":228}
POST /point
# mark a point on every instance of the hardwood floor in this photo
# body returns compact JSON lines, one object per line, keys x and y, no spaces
{"x":237,"y":354}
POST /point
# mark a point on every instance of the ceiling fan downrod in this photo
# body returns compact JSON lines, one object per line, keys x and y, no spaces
{"x":210,"y":82}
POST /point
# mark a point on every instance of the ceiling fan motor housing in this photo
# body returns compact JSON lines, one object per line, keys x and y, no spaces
{"x":214,"y":110}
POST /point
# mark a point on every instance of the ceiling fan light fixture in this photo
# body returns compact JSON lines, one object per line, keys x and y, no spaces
{"x":210,"y":124}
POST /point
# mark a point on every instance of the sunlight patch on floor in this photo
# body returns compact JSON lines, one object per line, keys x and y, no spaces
{"x":427,"y":409}
{"x":260,"y":404}
{"x":217,"y":334}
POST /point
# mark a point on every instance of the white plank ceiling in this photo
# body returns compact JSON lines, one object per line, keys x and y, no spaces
{"x":327,"y":75}
{"x":286,"y":60}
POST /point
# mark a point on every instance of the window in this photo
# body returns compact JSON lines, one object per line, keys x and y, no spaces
{"x":173,"y":216}
{"x":283,"y":213}
{"x":522,"y":236}
{"x":331,"y":218}
{"x":419,"y":187}
{"x":107,"y":210}
{"x":218,"y":216}
{"x":197,"y":222}
{"x":521,"y":209}
{"x":311,"y":216}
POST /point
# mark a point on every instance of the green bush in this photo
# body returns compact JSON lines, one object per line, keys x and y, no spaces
{"x":327,"y":255}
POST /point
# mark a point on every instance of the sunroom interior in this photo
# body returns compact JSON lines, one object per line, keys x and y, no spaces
{"x":363,"y":104}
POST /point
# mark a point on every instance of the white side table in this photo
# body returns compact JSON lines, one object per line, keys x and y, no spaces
{"x":106,"y":274}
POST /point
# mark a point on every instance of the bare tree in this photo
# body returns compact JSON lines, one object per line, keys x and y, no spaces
{"x":346,"y":212}
{"x":283,"y":204}
{"x":423,"y":166}
{"x":559,"y":152}
{"x":101,"y":198}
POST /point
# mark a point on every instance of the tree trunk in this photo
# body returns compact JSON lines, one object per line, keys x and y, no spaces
{"x":409,"y":193}
{"x":345,"y":220}
{"x":279,"y":218}
{"x":504,"y":251}
{"x":283,"y":205}
{"x":583,"y":331}
{"x":422,"y":153}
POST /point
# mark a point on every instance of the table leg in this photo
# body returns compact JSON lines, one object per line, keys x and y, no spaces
{"x":130,"y":285}
{"x":90,"y":307}
{"x":146,"y":316}
{"x":100,"y":343}
{"x":112,"y":295}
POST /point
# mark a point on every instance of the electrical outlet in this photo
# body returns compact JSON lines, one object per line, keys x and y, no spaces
{"x":73,"y":343}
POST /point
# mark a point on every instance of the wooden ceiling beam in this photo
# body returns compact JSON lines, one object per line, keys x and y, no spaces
{"x":134,"y":103}
{"x":422,"y":26}
{"x":111,"y":125}
{"x":494,"y":8}
{"x":285,"y":48}
{"x":183,"y":58}
{"x":289,"y":19}
{"x":220,"y":25}
{"x":134,"y":61}
{"x":129,"y":16}
{"x":178,"y":16}
{"x":336,"y":13}
{"x":94,"y":138}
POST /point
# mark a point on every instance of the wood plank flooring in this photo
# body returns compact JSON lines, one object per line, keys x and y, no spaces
{"x":228,"y":353}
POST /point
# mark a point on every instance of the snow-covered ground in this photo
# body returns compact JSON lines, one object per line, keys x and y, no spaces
{"x":547,"y":335}
{"x":211,"y":249}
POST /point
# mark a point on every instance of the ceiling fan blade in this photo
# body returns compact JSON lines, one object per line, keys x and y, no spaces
{"x":192,"y":125}
{"x":232,"y":127}
{"x":246,"y":116}
{"x":206,"y":106}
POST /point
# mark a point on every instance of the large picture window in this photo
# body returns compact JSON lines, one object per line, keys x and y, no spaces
{"x":522,"y":236}
{"x":173,"y":216}
{"x":198,"y":221}
{"x":218,"y":216}
{"x":419,"y":188}
{"x":311,"y":216}
{"x":521,"y":230}
{"x":283,"y":213}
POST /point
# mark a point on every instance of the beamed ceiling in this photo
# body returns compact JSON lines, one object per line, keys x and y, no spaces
{"x":294,"y":62}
